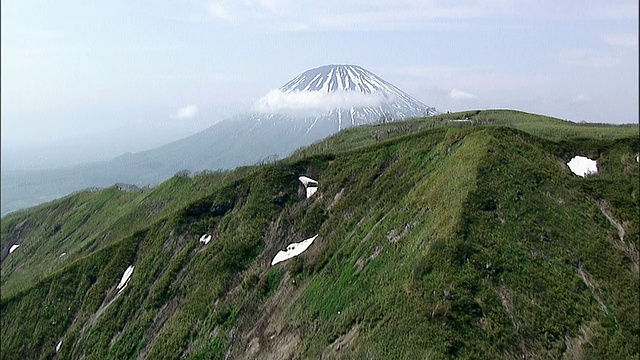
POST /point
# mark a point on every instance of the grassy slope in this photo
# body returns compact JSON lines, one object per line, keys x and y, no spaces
{"x":78,"y":224}
{"x":472,"y":242}
{"x":543,"y":126}
{"x":426,"y":209}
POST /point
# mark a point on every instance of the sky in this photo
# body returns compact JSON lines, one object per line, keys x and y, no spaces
{"x":106,"y":77}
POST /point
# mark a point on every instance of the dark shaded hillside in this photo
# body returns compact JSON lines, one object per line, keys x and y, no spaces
{"x":447,"y":242}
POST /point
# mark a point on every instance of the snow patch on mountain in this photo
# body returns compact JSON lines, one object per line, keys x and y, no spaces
{"x":13,"y":248}
{"x":125,"y":278}
{"x":310,"y":185}
{"x":205,"y":239}
{"x":583,"y":166}
{"x":293,"y":249}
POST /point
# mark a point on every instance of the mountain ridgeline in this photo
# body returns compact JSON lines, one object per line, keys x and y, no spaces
{"x":315,"y":104}
{"x":455,"y":236}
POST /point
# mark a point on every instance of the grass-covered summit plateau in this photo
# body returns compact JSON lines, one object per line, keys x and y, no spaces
{"x":457,"y":236}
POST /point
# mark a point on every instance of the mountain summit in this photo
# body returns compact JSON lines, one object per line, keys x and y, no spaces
{"x":330,"y":78}
{"x":346,"y":95}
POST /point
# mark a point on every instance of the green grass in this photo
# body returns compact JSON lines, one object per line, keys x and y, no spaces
{"x":437,"y":239}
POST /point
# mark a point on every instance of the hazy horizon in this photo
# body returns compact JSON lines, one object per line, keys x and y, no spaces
{"x":108,"y":78}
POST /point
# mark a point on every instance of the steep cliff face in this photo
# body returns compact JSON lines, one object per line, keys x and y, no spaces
{"x":434,"y":239}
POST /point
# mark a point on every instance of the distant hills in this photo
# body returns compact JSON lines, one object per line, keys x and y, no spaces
{"x":459,"y":235}
{"x":313,"y":105}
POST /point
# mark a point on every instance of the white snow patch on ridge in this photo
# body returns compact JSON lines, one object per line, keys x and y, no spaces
{"x":311,"y":190}
{"x":293,"y":249}
{"x":13,"y":248}
{"x":205,"y":239}
{"x":583,"y":166}
{"x":125,"y":278}
{"x":310,"y":185}
{"x":307,"y":181}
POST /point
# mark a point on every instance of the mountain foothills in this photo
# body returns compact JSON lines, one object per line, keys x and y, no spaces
{"x":315,"y":104}
{"x":460,"y":235}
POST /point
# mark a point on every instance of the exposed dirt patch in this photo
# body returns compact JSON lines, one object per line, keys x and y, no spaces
{"x":156,"y":208}
{"x":620,"y":243}
{"x":558,"y":200}
{"x":507,"y":303}
{"x":595,"y":290}
{"x":336,"y":350}
{"x":577,"y":346}
{"x":108,"y":300}
{"x":165,"y":313}
{"x":604,"y":207}
{"x":270,"y":334}
{"x":286,"y":346}
{"x":368,"y":236}
{"x":393,"y":235}
{"x":362,"y":262}
{"x":337,"y":198}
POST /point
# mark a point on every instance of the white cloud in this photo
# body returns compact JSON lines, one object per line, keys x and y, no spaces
{"x":271,"y":5}
{"x":624,"y":40}
{"x":358,"y":15}
{"x":579,"y":99}
{"x":456,"y":95}
{"x":622,"y":10}
{"x":361,"y":15}
{"x":303,"y":15}
{"x":587,"y":57}
{"x":186,"y":112}
{"x":220,"y":11}
{"x":314,"y":102}
{"x":392,"y":19}
{"x":474,"y":77}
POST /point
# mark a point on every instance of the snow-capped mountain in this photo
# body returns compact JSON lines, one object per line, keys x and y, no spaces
{"x":346,"y":95}
{"x":330,"y":78}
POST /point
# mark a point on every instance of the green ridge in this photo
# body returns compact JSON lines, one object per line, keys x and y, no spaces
{"x":437,"y":239}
